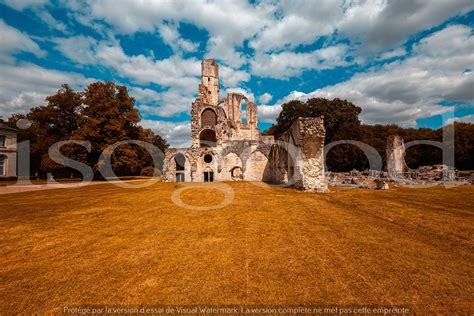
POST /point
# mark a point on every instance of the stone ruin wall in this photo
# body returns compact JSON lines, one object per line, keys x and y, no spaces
{"x":222,"y":129}
{"x":233,"y":109}
{"x":312,"y":136}
{"x":397,"y":167}
{"x":298,"y":155}
{"x":209,"y":87}
{"x":240,"y":152}
{"x":395,"y":155}
{"x":251,"y":159}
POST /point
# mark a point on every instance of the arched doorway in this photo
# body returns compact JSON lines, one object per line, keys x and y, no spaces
{"x":232,"y":167}
{"x":281,"y":162}
{"x":180,"y":162}
{"x":257,"y":168}
{"x":236,"y":173}
{"x":207,"y":138}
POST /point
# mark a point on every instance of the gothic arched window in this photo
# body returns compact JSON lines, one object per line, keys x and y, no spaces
{"x":207,"y":138}
{"x":208,"y":118}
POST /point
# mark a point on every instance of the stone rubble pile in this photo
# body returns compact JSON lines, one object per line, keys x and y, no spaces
{"x":382,"y":180}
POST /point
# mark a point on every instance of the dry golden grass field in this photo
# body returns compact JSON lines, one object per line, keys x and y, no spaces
{"x":108,"y":245}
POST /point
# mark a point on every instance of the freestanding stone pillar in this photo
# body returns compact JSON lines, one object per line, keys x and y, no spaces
{"x":395,"y":153}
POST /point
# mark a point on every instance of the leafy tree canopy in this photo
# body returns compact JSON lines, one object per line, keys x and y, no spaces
{"x":103,"y":114}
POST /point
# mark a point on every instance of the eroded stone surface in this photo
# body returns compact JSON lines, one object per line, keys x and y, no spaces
{"x":395,"y":152}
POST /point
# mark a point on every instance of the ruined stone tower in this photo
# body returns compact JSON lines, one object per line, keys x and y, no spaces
{"x":209,"y":87}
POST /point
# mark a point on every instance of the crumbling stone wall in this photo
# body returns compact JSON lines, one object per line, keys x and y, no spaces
{"x":233,"y":108}
{"x":221,"y":129}
{"x":247,"y":130}
{"x":169,"y":165}
{"x":395,"y":155}
{"x":301,"y":151}
{"x":209,"y":87}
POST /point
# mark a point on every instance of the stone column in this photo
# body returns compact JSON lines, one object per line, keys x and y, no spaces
{"x":395,"y":154}
{"x":312,"y":134}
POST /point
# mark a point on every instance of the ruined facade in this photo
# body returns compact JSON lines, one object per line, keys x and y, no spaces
{"x":226,"y":144}
{"x":297,"y":155}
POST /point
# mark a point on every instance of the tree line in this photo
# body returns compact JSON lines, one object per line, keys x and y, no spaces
{"x":103,"y":114}
{"x":341,"y":120}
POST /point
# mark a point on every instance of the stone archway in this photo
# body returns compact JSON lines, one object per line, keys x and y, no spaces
{"x":280,"y":162}
{"x":180,"y":166}
{"x":236,"y":173}
{"x":207,"y":138}
{"x":257,"y":167}
{"x":232,"y":167}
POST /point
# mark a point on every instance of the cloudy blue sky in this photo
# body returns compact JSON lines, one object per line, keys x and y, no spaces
{"x":404,"y":62}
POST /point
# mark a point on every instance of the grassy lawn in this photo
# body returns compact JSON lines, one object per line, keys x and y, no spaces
{"x":116,"y":246}
{"x":63,"y":180}
{"x":36,"y":182}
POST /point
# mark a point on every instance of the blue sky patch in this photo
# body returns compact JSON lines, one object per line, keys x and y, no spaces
{"x":400,"y":64}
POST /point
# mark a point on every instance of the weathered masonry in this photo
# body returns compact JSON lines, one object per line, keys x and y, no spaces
{"x":226,"y":144}
{"x":395,"y":152}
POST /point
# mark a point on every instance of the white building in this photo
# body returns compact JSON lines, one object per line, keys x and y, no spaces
{"x":8,"y":151}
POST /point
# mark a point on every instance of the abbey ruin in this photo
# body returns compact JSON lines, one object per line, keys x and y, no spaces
{"x":227,"y":145}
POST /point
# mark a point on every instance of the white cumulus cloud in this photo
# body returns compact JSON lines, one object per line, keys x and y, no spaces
{"x":13,"y":41}
{"x":380,"y":25}
{"x":178,"y":134}
{"x":166,"y":104}
{"x":402,"y":91}
{"x":464,"y":119}
{"x":26,"y":85}
{"x":265,"y":98}
{"x":290,"y":64}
